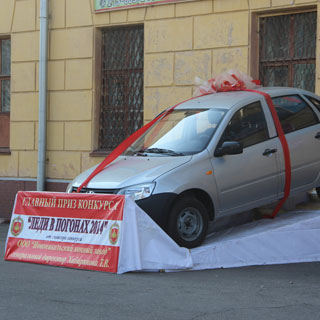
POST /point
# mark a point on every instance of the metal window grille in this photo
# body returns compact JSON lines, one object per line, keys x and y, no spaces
{"x":5,"y":62}
{"x":121,"y":102}
{"x":287,"y":50}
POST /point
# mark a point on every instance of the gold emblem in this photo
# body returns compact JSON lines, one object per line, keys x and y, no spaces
{"x":114,"y":233}
{"x":17,"y":226}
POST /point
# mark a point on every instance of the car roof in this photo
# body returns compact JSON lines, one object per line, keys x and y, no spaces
{"x":226,"y":100}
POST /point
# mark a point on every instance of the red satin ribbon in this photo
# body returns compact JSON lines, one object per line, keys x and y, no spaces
{"x":285,"y":149}
{"x":125,"y":145}
{"x":227,"y":86}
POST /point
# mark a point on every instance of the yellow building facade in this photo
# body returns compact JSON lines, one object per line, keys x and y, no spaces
{"x":181,"y":40}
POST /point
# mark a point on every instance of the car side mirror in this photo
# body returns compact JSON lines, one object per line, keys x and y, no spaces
{"x":229,"y":147}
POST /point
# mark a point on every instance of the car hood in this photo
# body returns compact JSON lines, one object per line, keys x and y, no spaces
{"x":127,"y":171}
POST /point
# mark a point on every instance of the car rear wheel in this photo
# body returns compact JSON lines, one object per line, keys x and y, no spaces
{"x":318,"y":192}
{"x":188,"y":222}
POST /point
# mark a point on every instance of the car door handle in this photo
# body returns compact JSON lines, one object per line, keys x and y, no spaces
{"x":317,"y":135}
{"x":269,"y":151}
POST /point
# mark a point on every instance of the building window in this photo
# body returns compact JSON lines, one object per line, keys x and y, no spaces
{"x":287,"y":50}
{"x":121,"y":100}
{"x":5,"y":62}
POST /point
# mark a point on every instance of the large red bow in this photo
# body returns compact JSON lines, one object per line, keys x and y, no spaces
{"x":233,"y":80}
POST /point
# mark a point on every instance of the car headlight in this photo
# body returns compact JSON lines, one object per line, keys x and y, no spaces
{"x":139,"y":191}
{"x":69,"y":188}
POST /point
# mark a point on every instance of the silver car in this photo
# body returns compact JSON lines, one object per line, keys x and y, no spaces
{"x":216,"y":155}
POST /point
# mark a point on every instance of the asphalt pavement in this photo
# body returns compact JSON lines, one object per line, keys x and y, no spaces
{"x":30,"y":291}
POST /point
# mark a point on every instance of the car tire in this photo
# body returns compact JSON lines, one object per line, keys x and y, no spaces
{"x":318,"y":192}
{"x":188,"y":222}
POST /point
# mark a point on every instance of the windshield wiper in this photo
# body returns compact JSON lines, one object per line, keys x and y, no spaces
{"x":140,"y":153}
{"x":163,"y":151}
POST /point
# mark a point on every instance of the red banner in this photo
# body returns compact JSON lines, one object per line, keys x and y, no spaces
{"x":71,"y":230}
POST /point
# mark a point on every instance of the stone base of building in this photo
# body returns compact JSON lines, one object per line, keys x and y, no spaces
{"x":9,"y":189}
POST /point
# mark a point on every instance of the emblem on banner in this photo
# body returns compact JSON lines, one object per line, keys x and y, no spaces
{"x":17,"y":226}
{"x":114,"y":233}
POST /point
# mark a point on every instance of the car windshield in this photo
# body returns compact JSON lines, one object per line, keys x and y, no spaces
{"x":182,"y":132}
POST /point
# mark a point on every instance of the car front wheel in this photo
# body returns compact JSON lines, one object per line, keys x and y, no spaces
{"x":188,"y":222}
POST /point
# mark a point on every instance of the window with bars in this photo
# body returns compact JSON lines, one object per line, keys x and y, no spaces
{"x":5,"y":62}
{"x":287,"y":50}
{"x":121,"y":101}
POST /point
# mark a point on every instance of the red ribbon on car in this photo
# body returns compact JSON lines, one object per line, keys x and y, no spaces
{"x":285,"y":149}
{"x":224,"y":86}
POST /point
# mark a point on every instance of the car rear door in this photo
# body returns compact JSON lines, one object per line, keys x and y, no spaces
{"x":249,"y":179}
{"x":301,"y":126}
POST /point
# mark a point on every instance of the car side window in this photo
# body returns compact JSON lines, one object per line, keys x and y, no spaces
{"x":315,"y":102}
{"x":248,"y":126}
{"x":294,"y":113}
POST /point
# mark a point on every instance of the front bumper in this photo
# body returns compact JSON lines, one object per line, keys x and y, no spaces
{"x":158,"y":207}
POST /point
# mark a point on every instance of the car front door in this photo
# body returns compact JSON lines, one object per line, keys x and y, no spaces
{"x":251,"y":178}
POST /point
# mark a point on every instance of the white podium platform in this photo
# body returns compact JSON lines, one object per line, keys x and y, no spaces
{"x":289,"y":238}
{"x":141,"y":245}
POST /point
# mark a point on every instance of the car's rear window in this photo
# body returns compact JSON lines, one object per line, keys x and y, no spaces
{"x":315,"y":102}
{"x":294,"y":113}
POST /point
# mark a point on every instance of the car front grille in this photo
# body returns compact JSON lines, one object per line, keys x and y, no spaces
{"x":94,"y":190}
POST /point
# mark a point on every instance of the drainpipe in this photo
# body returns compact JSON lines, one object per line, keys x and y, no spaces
{"x":43,"y":61}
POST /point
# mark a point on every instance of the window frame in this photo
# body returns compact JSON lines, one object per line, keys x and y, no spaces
{"x":255,"y":34}
{"x":98,"y":76}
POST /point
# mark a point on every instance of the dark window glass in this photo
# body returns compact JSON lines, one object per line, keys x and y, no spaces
{"x":294,"y":113}
{"x":277,"y":75}
{"x":315,"y":102}
{"x":5,"y":95}
{"x":287,"y":50}
{"x":304,"y":76}
{"x":5,"y":62}
{"x":121,"y":103}
{"x":248,"y":126}
{"x":5,"y":57}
